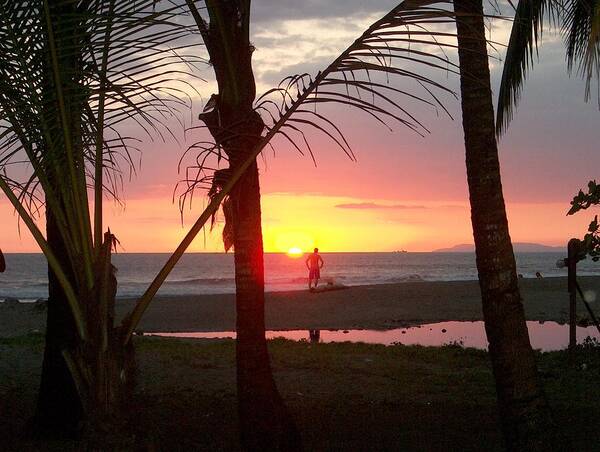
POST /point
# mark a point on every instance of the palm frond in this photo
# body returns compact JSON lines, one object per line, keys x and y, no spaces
{"x":581,"y":28}
{"x":376,"y":75}
{"x":140,"y":84}
{"x":405,"y":35}
{"x":404,"y":44}
{"x":75,"y":76}
{"x":579,"y":21}
{"x":53,"y":262}
{"x":525,"y":35}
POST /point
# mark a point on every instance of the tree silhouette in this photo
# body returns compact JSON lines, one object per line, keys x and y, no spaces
{"x":240,"y":132}
{"x":524,"y":412}
{"x":72,"y":73}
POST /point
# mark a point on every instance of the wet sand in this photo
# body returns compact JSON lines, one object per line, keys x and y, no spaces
{"x":361,"y":307}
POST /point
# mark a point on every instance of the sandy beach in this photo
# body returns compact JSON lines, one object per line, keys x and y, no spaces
{"x":361,"y":307}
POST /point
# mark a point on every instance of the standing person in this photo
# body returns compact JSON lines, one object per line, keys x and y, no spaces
{"x":314,"y":263}
{"x":2,"y":262}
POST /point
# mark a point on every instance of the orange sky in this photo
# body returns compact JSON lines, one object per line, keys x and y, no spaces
{"x":152,"y":225}
{"x":404,"y":192}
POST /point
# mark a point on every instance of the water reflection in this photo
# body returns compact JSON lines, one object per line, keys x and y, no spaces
{"x":546,"y":336}
{"x":314,"y":335}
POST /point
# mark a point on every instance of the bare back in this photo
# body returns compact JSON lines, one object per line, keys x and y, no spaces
{"x":314,"y":261}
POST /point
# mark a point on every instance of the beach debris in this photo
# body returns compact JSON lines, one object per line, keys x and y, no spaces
{"x":329,"y":287}
{"x":345,"y":331}
{"x":455,"y":343}
{"x":590,"y":342}
{"x":444,"y":330}
{"x":11,"y":301}
{"x":589,"y":296}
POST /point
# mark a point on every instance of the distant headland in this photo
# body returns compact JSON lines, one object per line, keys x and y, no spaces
{"x":519,"y":247}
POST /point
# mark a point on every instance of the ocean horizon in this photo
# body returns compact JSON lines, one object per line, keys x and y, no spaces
{"x":213,"y":273}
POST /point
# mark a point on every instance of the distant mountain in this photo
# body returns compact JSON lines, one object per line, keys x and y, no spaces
{"x":519,"y":247}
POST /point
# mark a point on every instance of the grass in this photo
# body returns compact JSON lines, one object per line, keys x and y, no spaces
{"x":343,"y":396}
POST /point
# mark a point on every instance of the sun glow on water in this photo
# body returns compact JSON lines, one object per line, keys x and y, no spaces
{"x":295,"y":252}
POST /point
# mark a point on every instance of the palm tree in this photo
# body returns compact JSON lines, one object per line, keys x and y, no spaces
{"x":579,"y":22}
{"x":59,"y":407}
{"x":358,"y":78}
{"x":71,"y":74}
{"x":265,"y":420}
{"x":523,"y":409}
{"x":101,"y":352}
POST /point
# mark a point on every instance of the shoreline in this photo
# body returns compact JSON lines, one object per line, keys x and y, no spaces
{"x":380,"y":307}
{"x":340,"y":286}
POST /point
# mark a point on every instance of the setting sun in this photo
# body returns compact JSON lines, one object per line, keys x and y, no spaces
{"x":294,"y":252}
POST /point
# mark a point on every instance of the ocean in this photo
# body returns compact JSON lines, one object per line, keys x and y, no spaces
{"x":205,"y":273}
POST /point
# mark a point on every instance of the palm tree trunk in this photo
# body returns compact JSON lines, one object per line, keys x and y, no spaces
{"x":90,"y":394}
{"x":265,"y":423}
{"x":61,"y":411}
{"x":523,"y":409}
{"x":58,"y":411}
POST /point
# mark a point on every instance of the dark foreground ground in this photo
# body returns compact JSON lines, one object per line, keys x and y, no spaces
{"x":343,"y":396}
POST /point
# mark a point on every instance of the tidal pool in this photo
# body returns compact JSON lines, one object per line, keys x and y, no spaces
{"x":546,"y":336}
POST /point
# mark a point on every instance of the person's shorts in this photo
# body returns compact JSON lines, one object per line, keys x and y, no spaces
{"x":314,"y":273}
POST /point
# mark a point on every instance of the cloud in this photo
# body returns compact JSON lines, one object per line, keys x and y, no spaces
{"x":452,"y":206}
{"x":401,"y":221}
{"x":297,"y":44}
{"x":372,"y":205}
{"x":277,"y":10}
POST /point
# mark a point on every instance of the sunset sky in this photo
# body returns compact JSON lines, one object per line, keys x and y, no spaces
{"x":404,"y":191}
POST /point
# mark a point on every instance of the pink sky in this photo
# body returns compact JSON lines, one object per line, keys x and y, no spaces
{"x":404,"y":192}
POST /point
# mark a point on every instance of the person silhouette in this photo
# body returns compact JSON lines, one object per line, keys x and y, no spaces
{"x":314,"y":263}
{"x":2,"y":262}
{"x":314,"y":335}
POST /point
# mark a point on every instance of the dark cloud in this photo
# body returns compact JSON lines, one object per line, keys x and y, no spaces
{"x":372,"y":205}
{"x":272,"y":10}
